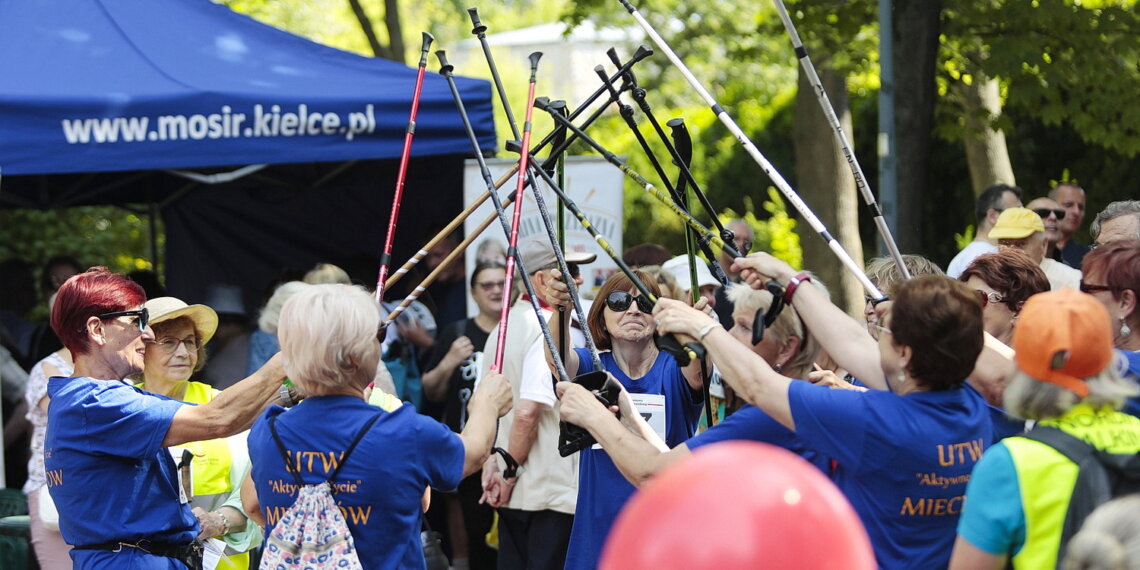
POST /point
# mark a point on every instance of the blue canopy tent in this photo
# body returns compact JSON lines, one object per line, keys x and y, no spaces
{"x":101,"y":99}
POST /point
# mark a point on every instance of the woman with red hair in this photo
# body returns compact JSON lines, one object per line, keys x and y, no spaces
{"x":117,"y":487}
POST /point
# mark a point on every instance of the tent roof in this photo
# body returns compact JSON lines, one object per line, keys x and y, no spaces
{"x":112,"y":85}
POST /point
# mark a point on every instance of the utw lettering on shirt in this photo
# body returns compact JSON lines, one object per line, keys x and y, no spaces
{"x":949,"y":455}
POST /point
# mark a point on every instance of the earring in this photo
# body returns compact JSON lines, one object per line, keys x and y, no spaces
{"x":1125,"y":330}
{"x":901,"y":378}
{"x":778,"y":367}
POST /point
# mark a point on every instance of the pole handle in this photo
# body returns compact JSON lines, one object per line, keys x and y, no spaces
{"x":427,"y":39}
{"x":445,"y":68}
{"x":477,"y":27}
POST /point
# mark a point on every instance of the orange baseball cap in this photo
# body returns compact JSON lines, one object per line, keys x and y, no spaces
{"x":1063,"y":337}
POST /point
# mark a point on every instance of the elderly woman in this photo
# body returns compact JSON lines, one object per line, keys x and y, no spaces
{"x":620,"y":323}
{"x":328,"y":340}
{"x":904,"y":453}
{"x":785,"y":346}
{"x":1003,"y":281}
{"x":1112,"y":276}
{"x":108,"y":470}
{"x":181,"y":332}
{"x":1019,"y":492}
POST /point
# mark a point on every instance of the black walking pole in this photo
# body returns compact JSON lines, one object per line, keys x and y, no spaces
{"x":409,"y":132}
{"x":610,"y":157}
{"x":841,"y":138}
{"x":756,"y":155}
{"x":572,"y":438}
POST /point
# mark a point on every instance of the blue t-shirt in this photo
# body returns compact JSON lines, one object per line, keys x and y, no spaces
{"x":379,"y":488}
{"x":602,"y":489}
{"x":753,"y":424}
{"x":1004,"y":424}
{"x":904,"y":462}
{"x":1132,"y":405}
{"x":108,"y":473}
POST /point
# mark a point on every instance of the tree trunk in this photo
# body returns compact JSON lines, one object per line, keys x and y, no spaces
{"x":986,"y":152}
{"x":828,"y":187}
{"x":395,"y":32}
{"x":366,"y":26}
{"x":915,"y":35}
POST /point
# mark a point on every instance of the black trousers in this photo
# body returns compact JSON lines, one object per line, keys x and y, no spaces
{"x":533,"y":540}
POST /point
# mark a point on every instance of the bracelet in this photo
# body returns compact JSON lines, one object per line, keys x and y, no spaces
{"x":511,"y":483}
{"x":285,"y":397}
{"x":225,"y":523}
{"x":705,"y":330}
{"x":793,"y":284}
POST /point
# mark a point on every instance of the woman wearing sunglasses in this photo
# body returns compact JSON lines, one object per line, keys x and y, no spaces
{"x":622,"y":326}
{"x":1112,"y":276}
{"x":108,"y":470}
{"x":1003,"y":281}
{"x":905,"y":448}
{"x":181,"y":332}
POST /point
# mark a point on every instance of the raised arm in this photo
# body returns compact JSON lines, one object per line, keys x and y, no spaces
{"x":843,"y":337}
{"x":231,"y":411}
{"x":633,"y":446}
{"x":558,"y":295}
{"x":746,"y":372}
{"x":491,"y":401}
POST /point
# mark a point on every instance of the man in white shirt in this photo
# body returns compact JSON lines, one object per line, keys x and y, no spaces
{"x":1023,"y":229}
{"x":991,"y":203}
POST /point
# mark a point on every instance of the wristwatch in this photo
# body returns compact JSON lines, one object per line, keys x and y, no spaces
{"x":705,"y":330}
{"x":285,"y":397}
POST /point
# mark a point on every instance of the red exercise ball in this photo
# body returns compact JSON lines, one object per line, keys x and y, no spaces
{"x":738,"y":504}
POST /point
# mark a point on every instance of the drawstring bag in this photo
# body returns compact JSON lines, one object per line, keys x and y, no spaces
{"x":312,"y":534}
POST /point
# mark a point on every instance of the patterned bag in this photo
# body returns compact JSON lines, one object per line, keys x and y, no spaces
{"x":312,"y":534}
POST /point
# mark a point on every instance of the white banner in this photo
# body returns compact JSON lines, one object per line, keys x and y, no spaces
{"x":592,"y":183}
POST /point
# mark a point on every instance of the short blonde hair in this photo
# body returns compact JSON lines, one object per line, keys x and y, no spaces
{"x":326,"y":273}
{"x":328,"y":337}
{"x":787,"y":325}
{"x":884,"y":272}
{"x":271,"y":312}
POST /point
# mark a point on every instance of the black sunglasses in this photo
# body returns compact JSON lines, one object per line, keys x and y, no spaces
{"x":1044,"y":213}
{"x":143,"y":316}
{"x":619,"y":301}
{"x":1089,"y":288}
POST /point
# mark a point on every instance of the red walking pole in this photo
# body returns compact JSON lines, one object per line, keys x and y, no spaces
{"x":386,"y":257}
{"x":512,"y":250}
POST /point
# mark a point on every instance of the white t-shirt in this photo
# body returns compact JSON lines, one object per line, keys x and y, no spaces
{"x":966,"y":257}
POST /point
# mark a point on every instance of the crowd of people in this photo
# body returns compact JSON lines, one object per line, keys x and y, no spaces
{"x":162,"y":434}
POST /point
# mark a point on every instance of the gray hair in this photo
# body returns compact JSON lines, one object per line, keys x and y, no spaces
{"x":328,"y":337}
{"x":326,"y":273}
{"x":271,"y":312}
{"x":1109,"y":539}
{"x":1032,"y":399}
{"x":1113,"y":211}
{"x":885,"y":272}
{"x":787,"y":325}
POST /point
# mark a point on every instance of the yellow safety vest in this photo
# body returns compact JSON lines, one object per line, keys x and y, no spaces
{"x":1046,"y":478}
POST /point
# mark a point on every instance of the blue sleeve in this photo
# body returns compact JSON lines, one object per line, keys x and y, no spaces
{"x":748,"y":423}
{"x":585,"y":361}
{"x":125,"y":422}
{"x":992,"y":519}
{"x":832,"y":422}
{"x":442,"y":452}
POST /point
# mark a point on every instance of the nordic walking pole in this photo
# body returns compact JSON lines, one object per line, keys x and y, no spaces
{"x":512,"y":248}
{"x":410,"y":131}
{"x":559,"y":147}
{"x":638,"y":93}
{"x":756,"y":155}
{"x":626,"y":113}
{"x":610,"y":157}
{"x":560,"y":137}
{"x":841,"y":137}
{"x":451,"y":257}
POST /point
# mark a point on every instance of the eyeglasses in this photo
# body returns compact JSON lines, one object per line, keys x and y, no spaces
{"x":989,"y":297}
{"x":1044,"y":213}
{"x":619,"y":301}
{"x":876,"y":329}
{"x":143,"y":316}
{"x":170,"y":345}
{"x":874,"y":302}
{"x":488,"y":286}
{"x":1089,"y":288}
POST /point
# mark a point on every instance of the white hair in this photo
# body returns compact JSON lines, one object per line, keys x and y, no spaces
{"x":1109,"y":539}
{"x":271,"y":312}
{"x":1032,"y":399}
{"x":328,"y":337}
